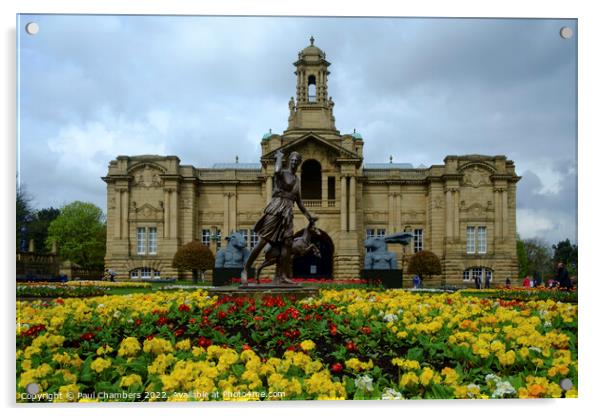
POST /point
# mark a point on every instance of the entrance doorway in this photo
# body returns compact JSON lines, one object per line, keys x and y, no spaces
{"x":310,"y":266}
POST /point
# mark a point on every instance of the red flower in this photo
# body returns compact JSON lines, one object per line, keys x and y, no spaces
{"x":258,"y":318}
{"x":138,"y":322}
{"x":162,"y":320}
{"x":291,"y":348}
{"x":246,"y":347}
{"x":366,"y":330}
{"x":60,"y":301}
{"x":87,"y":336}
{"x":333,"y":329}
{"x":178,"y":332}
{"x":192,"y":321}
{"x":204,"y":342}
{"x":184,"y":308}
{"x":336,"y":367}
{"x":350,"y":346}
{"x":150,"y":337}
{"x":221,"y":315}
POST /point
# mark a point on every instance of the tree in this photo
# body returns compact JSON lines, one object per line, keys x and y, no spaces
{"x":539,"y":256}
{"x":24,"y":215}
{"x":566,"y":253}
{"x":195,"y":257}
{"x":80,"y":234}
{"x":523,"y":261}
{"x":424,"y":263}
{"x":38,"y":228}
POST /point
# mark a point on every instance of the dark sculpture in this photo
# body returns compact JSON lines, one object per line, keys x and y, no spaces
{"x":378,"y":258}
{"x":276,"y":225}
{"x":301,"y":246}
{"x":234,"y":254}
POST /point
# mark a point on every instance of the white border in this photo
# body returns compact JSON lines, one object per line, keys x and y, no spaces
{"x":589,"y":113}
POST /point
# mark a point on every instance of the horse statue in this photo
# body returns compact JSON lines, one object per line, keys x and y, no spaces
{"x":234,"y":254}
{"x":378,"y":258}
{"x":301,"y":246}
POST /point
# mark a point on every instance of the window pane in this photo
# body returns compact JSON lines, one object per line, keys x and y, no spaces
{"x":141,"y":241}
{"x":369,"y":232}
{"x":254,"y":239}
{"x":152,"y":240}
{"x":206,"y":237}
{"x":218,"y":237}
{"x":470,"y":239}
{"x":417,"y":240}
{"x":134,"y":274}
{"x":381,"y":232}
{"x":482,"y":239}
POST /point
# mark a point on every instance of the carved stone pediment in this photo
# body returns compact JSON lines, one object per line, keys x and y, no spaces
{"x":475,"y":177}
{"x":147,"y":211}
{"x":147,"y":177}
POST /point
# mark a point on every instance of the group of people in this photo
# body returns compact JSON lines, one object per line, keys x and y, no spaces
{"x":561,"y":279}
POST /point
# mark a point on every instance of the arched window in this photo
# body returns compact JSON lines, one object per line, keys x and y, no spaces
{"x":311,"y":180}
{"x":311,"y":89}
{"x":482,"y":273}
{"x":145,"y":273}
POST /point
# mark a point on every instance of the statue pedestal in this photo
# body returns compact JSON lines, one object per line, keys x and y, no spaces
{"x":256,"y":291}
{"x":222,"y":276}
{"x":391,"y":279}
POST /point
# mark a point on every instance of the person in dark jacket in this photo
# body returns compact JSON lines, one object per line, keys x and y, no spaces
{"x":562,"y":276}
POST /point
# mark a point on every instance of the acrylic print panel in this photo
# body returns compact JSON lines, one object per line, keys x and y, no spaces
{"x":435,"y":160}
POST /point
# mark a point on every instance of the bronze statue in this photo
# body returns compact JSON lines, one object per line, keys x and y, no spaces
{"x":276,"y":225}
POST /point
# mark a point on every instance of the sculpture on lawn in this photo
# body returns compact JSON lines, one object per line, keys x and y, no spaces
{"x":378,"y":257}
{"x":234,"y":254}
{"x":275,"y":227}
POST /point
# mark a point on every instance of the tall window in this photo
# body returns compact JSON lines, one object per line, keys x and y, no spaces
{"x":146,"y":241}
{"x":380,"y":232}
{"x":206,"y":237}
{"x":152,"y":240}
{"x":470,"y":240}
{"x":218,"y":239}
{"x":254,"y":239}
{"x":417,"y":240}
{"x":141,"y":241}
{"x":482,"y":240}
{"x":369,"y":233}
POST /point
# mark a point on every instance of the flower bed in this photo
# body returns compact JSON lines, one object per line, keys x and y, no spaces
{"x":347,"y":344}
{"x":526,"y":294}
{"x":59,"y":290}
{"x":109,"y":284}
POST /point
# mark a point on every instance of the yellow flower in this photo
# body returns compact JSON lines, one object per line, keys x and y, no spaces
{"x":129,"y":347}
{"x":183,"y":345}
{"x":106,"y":349}
{"x":68,"y":393}
{"x":357,"y":365}
{"x":426,"y":376}
{"x":409,"y":379}
{"x":157,"y":346}
{"x":308,"y":345}
{"x":130,"y":380}
{"x":451,"y":377}
{"x":100,"y":364}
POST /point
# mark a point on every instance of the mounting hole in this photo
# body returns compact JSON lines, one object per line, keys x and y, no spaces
{"x":566,"y":32}
{"x":32,"y":28}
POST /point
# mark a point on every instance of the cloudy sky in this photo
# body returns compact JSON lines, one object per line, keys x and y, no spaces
{"x":207,"y":88}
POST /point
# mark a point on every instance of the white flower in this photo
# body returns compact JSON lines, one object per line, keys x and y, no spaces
{"x":503,"y":388}
{"x":471,"y":387}
{"x":391,"y":394}
{"x":390,"y":317}
{"x":364,"y":383}
{"x":547,"y":324}
{"x":538,"y":350}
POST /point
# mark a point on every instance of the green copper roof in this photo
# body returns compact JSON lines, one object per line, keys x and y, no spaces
{"x":356,"y":135}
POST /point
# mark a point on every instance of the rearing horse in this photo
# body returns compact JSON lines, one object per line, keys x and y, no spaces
{"x":301,"y":246}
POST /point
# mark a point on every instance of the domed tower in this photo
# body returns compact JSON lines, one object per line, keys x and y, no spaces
{"x":312,"y":110}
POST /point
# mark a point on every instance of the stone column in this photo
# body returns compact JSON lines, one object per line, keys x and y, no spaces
{"x":497,"y":213}
{"x":504,"y":195}
{"x":343,"y":203}
{"x":449,"y":213}
{"x":173,"y":228}
{"x":125,"y":211}
{"x":324,"y":190}
{"x":117,"y":193}
{"x":167,"y":214}
{"x":233,"y":211}
{"x":456,"y":214}
{"x":391,"y":209}
{"x":352,"y":204}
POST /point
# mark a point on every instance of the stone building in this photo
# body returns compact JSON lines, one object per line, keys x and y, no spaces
{"x":463,"y":210}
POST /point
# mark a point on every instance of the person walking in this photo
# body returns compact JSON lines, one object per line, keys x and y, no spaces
{"x":527,"y":282}
{"x":562,"y":276}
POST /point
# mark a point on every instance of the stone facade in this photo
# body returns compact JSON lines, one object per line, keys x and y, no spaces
{"x":463,"y":210}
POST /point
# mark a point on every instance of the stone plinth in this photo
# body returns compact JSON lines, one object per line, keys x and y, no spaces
{"x":259,"y":291}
